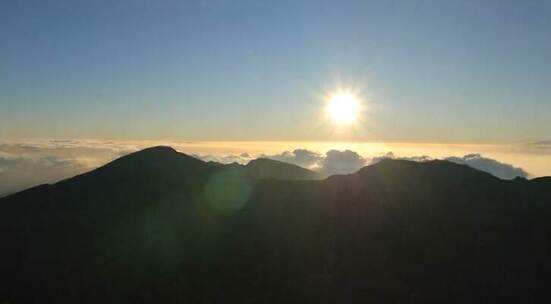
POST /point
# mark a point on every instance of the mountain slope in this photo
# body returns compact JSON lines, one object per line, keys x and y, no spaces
{"x":263,"y":168}
{"x":146,"y":228}
{"x":111,"y":216}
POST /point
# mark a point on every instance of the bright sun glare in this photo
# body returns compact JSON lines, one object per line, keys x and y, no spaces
{"x":343,"y":108}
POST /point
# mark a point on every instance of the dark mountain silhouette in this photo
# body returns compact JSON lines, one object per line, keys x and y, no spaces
{"x":265,"y":168}
{"x":160,"y":226}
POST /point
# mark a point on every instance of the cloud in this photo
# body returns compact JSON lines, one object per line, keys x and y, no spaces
{"x":27,"y":164}
{"x":499,"y":169}
{"x":391,"y":155}
{"x":21,"y":171}
{"x":242,"y":158}
{"x":300,"y":157}
{"x":341,"y":162}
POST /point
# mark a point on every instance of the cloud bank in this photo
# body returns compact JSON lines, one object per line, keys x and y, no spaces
{"x":331,"y":163}
{"x":23,"y":165}
{"x":499,"y":169}
{"x":300,"y":157}
{"x":341,"y":162}
{"x":21,"y":171}
{"x":26,"y":164}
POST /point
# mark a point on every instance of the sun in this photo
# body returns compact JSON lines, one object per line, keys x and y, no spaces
{"x":343,"y":108}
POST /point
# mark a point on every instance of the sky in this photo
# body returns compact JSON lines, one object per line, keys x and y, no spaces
{"x":428,"y":71}
{"x":83,"y":82}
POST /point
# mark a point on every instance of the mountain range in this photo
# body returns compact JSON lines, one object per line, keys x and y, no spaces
{"x":161,"y":226}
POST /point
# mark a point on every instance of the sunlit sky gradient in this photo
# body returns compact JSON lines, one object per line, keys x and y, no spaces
{"x":429,"y":71}
{"x":85,"y":82}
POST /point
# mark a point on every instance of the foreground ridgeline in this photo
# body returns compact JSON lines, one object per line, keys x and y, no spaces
{"x":158,"y":226}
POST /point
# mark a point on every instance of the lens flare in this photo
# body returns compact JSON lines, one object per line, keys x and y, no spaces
{"x":227,"y":192}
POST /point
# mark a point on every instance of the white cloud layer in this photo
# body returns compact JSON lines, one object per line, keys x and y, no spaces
{"x":242,"y":158}
{"x":499,"y":169}
{"x":341,"y":162}
{"x":21,"y":171}
{"x":300,"y":157}
{"x":26,"y":164}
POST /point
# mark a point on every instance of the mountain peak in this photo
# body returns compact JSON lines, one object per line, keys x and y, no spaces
{"x":438,"y":170}
{"x":157,"y":150}
{"x":157,"y":153}
{"x":159,"y":162}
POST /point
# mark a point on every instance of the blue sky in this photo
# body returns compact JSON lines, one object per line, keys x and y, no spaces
{"x":437,"y":71}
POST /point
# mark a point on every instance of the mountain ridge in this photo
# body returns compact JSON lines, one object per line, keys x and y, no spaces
{"x":146,"y":227}
{"x":151,"y":155}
